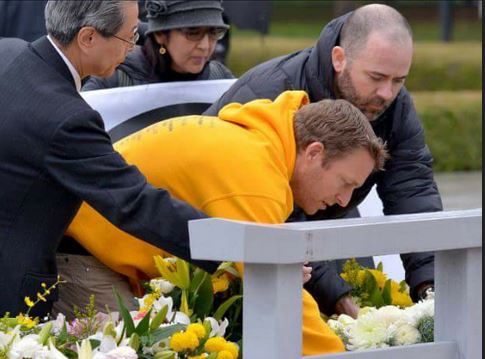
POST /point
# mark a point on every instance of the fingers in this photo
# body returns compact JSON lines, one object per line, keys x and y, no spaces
{"x":307,"y":273}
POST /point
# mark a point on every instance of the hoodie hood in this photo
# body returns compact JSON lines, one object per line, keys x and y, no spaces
{"x":273,"y":119}
{"x":319,"y":68}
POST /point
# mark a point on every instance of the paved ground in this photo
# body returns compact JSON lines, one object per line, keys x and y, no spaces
{"x":459,"y":190}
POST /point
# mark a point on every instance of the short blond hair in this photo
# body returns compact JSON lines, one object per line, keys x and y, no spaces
{"x":341,"y":127}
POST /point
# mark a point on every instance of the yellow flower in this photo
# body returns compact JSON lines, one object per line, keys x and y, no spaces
{"x":198,"y":329}
{"x":184,"y":341}
{"x":41,"y":297}
{"x":175,"y":270}
{"x":380,"y":277}
{"x":401,"y":299}
{"x":232,"y":348}
{"x":215,"y":344}
{"x":29,"y":302}
{"x":224,"y":354}
{"x":26,"y":321}
{"x":148,"y":302}
{"x":202,"y":356}
{"x":220,"y":283}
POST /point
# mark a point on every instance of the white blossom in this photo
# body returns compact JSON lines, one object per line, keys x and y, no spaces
{"x":406,"y":334}
{"x":124,"y":352}
{"x":369,"y":332}
{"x":218,"y":329}
{"x":26,"y":347}
{"x":164,"y":285}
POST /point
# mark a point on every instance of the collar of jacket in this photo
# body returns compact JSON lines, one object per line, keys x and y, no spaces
{"x":319,"y":65}
{"x":46,"y":51}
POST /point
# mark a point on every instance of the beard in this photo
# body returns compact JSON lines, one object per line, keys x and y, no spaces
{"x":371,"y":107}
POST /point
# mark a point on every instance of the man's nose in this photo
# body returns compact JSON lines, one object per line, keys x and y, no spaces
{"x":385,"y":91}
{"x":343,"y":198}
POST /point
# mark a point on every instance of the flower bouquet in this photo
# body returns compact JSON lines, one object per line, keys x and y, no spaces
{"x":387,"y":317}
{"x":183,"y":315}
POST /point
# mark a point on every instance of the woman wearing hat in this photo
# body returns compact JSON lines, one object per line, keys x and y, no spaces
{"x":181,"y":38}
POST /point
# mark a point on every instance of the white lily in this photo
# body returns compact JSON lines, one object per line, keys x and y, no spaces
{"x":54,"y":353}
{"x":85,"y":351}
{"x":218,"y":329}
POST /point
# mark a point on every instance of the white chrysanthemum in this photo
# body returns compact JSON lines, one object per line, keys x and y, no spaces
{"x":369,"y":332}
{"x":419,"y":310}
{"x":345,"y":320}
{"x":406,"y":334}
{"x":164,"y":285}
{"x":26,"y":347}
{"x":335,"y":325}
{"x":389,"y":315}
{"x":122,"y":353}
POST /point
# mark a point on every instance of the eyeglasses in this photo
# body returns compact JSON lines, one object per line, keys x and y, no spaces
{"x":198,"y":33}
{"x":132,"y":42}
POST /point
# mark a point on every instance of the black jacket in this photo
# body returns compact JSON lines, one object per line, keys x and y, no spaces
{"x":406,"y":185}
{"x":54,"y":153}
{"x":136,"y":70}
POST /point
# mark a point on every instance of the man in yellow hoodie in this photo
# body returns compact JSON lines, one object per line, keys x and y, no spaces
{"x":250,"y":163}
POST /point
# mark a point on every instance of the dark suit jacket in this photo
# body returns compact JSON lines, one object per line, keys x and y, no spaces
{"x":54,"y":153}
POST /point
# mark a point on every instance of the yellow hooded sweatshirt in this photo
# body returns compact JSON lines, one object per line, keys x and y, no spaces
{"x":235,"y":166}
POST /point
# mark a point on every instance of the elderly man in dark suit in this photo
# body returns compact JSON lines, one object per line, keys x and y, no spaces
{"x":54,"y":151}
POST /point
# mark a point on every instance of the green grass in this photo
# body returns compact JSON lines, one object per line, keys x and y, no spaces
{"x":436,"y":65}
{"x":453,"y":126}
{"x":422,"y":31}
{"x":307,"y":18}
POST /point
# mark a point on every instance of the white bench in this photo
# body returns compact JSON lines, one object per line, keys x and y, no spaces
{"x":273,"y":255}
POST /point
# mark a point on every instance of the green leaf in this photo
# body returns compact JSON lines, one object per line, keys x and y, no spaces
{"x":199,"y":276}
{"x":403,"y":286}
{"x":125,"y":314}
{"x":164,"y":333}
{"x":94,"y":343}
{"x":159,"y":318}
{"x":205,"y":298}
{"x":380,"y":267}
{"x":63,"y":336}
{"x":212,"y":356}
{"x":144,"y":324}
{"x":225,"y":306}
{"x":370,"y":285}
{"x":183,"y":273}
{"x":386,"y":293}
{"x":134,"y":342}
{"x":45,"y":333}
{"x":165,"y":355}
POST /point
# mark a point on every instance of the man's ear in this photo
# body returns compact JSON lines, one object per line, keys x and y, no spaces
{"x":86,"y":37}
{"x":315,"y":151}
{"x":338,"y":59}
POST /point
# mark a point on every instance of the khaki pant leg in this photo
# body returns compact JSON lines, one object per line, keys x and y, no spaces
{"x":85,"y":275}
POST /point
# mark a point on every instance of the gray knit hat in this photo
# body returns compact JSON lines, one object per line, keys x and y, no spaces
{"x":176,"y":14}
